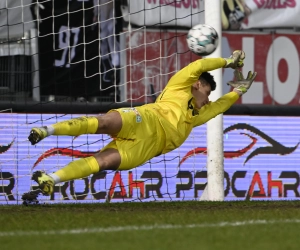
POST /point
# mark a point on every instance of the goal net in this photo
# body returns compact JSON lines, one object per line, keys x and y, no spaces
{"x":64,"y":59}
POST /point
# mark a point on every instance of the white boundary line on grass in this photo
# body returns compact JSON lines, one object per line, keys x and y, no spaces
{"x":145,"y":228}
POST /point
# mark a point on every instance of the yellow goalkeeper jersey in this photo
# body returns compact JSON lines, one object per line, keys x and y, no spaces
{"x":175,"y":106}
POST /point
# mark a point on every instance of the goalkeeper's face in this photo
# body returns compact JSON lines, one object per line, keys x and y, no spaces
{"x":203,"y":87}
{"x":201,"y":90}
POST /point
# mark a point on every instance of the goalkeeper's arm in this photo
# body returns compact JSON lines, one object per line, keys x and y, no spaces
{"x":212,"y":109}
{"x":191,"y":73}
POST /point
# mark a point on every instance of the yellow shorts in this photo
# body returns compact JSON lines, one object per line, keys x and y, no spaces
{"x":140,"y":138}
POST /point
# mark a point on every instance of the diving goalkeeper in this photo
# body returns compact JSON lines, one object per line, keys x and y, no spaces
{"x":144,"y":132}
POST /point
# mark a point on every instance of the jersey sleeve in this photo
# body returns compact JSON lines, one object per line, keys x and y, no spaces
{"x":190,"y":74}
{"x":211,"y":110}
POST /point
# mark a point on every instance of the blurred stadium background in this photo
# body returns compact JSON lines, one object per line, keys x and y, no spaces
{"x":62,"y":59}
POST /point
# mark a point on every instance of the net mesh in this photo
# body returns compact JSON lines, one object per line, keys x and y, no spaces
{"x":61,"y":57}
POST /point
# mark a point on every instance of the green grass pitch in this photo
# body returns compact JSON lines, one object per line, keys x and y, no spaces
{"x":152,"y":225}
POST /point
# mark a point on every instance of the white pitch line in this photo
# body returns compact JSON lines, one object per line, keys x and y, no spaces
{"x":145,"y":228}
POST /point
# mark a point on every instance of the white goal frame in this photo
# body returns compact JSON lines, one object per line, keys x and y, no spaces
{"x":214,"y":190}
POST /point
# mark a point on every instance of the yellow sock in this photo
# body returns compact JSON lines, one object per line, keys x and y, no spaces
{"x":76,"y":126}
{"x":78,"y":169}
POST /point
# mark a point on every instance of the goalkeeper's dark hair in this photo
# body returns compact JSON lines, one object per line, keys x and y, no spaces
{"x":209,"y":79}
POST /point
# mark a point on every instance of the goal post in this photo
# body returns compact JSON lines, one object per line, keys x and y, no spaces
{"x":214,"y":190}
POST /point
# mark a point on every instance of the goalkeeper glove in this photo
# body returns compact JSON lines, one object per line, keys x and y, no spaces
{"x":236,"y":60}
{"x":241,"y":84}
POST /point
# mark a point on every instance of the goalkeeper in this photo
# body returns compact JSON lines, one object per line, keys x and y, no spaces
{"x":144,"y":132}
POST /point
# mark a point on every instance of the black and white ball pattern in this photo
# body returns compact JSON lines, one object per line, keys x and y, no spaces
{"x":202,"y":39}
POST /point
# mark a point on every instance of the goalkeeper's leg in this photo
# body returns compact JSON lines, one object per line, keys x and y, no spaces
{"x":110,"y":123}
{"x":109,"y":159}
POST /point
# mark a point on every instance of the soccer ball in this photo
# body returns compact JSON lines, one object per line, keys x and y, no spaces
{"x":202,"y":39}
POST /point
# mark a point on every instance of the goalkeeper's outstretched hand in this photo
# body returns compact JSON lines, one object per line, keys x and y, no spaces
{"x":236,"y":60}
{"x":241,"y":84}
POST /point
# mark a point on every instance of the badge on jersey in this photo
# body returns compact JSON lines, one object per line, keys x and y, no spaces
{"x":138,"y":118}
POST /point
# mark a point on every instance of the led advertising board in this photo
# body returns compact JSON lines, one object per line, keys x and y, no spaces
{"x":261,"y":161}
